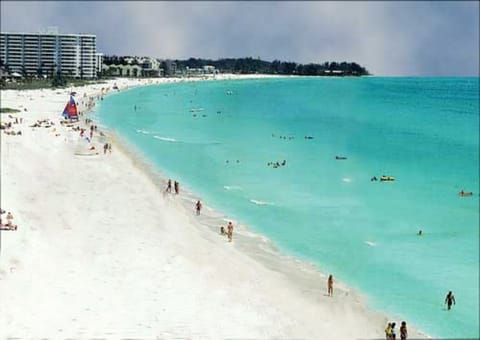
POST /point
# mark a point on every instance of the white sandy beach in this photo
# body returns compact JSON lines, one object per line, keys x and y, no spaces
{"x":101,"y":252}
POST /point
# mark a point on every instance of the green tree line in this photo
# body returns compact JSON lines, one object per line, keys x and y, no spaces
{"x":252,"y":65}
{"x":255,"y":65}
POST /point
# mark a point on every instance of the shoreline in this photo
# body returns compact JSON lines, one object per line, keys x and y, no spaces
{"x":302,"y":273}
{"x":304,"y":281}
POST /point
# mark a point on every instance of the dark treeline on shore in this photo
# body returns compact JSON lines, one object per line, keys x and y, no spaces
{"x":251,"y":65}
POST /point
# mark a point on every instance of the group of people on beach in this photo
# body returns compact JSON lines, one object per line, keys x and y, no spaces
{"x":8,"y":126}
{"x":176,"y":187}
{"x":390,"y":331}
{"x":107,"y":147}
{"x":93,"y":128}
{"x":9,"y":225}
{"x":224,"y":232}
{"x":228,"y":232}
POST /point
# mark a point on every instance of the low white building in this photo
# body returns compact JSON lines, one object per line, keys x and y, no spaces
{"x":201,"y":71}
{"x":150,"y":66}
{"x":209,"y":69}
{"x":123,"y":70}
{"x":134,"y":67}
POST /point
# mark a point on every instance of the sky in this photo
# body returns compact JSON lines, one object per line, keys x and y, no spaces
{"x":391,"y":38}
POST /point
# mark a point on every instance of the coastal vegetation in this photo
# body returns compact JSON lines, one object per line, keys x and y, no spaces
{"x":8,"y":110}
{"x":42,"y":83}
{"x":10,"y":80}
{"x":187,"y":67}
{"x":252,"y":65}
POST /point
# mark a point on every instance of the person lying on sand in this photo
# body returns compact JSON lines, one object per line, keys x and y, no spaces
{"x":8,"y":226}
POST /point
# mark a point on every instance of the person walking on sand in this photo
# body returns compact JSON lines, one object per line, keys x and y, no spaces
{"x":176,"y":186}
{"x":449,"y":299}
{"x":403,"y":331}
{"x":169,"y":186}
{"x":392,"y":332}
{"x":388,"y":331}
{"x":330,"y":285}
{"x":198,"y":207}
{"x":9,"y":218}
{"x":230,"y":231}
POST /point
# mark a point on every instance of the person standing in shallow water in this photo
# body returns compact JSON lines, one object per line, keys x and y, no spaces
{"x":330,"y":285}
{"x":449,"y":299}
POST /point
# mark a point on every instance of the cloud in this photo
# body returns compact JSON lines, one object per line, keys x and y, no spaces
{"x":389,"y":38}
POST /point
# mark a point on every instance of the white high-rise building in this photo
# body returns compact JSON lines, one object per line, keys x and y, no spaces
{"x":36,"y":54}
{"x":98,"y":63}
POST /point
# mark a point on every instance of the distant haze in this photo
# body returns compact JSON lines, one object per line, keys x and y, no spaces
{"x":388,"y":38}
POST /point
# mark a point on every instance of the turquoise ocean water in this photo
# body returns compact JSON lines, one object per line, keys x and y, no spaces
{"x":422,"y":131}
